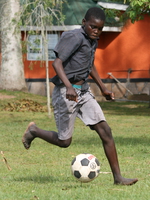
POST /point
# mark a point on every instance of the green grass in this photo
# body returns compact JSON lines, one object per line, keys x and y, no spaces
{"x":43,"y":172}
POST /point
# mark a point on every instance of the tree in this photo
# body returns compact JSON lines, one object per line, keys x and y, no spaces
{"x":40,"y":14}
{"x":11,"y":71}
{"x":137,"y":9}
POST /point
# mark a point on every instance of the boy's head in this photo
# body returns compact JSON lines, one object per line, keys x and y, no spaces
{"x":93,"y":22}
{"x":95,"y":12}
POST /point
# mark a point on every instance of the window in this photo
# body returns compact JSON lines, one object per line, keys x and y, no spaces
{"x":52,"y":41}
{"x":35,"y":47}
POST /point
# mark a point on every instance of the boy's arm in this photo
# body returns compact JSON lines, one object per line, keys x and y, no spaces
{"x":105,"y":92}
{"x":70,"y":93}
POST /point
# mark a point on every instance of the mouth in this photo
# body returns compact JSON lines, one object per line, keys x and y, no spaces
{"x":94,"y":37}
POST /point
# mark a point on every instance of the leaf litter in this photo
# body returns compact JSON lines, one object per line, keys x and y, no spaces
{"x":24,"y":105}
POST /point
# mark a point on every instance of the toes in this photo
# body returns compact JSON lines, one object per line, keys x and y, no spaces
{"x":127,"y":182}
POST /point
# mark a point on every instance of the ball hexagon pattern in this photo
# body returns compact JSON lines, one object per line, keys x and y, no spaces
{"x":85,"y":167}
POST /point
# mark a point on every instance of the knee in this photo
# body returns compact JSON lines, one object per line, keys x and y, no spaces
{"x":105,"y":133}
{"x":65,"y":143}
{"x":108,"y":132}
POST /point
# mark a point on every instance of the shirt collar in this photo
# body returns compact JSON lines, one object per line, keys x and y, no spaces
{"x":83,"y":32}
{"x":86,"y":36}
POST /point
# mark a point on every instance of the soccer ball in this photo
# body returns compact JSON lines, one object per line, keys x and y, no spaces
{"x":85,"y":167}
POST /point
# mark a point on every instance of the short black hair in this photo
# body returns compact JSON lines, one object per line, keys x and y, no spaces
{"x":95,"y":12}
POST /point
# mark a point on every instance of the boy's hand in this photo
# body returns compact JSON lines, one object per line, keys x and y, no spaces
{"x":108,"y":95}
{"x":71,"y":94}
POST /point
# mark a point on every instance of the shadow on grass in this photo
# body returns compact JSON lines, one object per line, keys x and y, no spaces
{"x":132,"y":141}
{"x":37,"y":179}
{"x":126,"y":108}
{"x":67,"y":183}
{"x":122,"y":141}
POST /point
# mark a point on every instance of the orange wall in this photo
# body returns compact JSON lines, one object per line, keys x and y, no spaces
{"x":116,"y":53}
{"x":36,"y":69}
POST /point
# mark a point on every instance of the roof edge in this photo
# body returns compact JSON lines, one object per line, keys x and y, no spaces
{"x":68,"y":27}
{"x":115,"y":6}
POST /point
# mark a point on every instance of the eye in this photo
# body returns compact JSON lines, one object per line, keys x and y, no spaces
{"x":100,"y":29}
{"x":95,"y":27}
{"x":92,"y":27}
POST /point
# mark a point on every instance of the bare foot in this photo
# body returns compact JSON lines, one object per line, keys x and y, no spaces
{"x":28,"y":136}
{"x":126,"y":181}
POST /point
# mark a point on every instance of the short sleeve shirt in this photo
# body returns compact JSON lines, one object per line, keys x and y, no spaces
{"x":76,"y":51}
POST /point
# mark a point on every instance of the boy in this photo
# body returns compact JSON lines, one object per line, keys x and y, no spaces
{"x":72,"y":97}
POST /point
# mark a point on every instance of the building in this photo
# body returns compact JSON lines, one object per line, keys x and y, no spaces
{"x":122,"y":57}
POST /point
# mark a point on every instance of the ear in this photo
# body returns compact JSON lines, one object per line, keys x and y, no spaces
{"x":83,"y":22}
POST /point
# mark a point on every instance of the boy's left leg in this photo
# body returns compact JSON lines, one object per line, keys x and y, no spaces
{"x":105,"y":134}
{"x":33,"y":132}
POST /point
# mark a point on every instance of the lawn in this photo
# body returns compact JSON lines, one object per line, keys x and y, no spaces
{"x":43,"y":172}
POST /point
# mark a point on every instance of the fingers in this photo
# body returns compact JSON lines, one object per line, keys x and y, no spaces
{"x":76,"y":99}
{"x":110,"y":96}
{"x":71,"y":94}
{"x":71,"y":98}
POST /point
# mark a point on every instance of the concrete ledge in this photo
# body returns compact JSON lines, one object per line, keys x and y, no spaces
{"x":140,"y":90}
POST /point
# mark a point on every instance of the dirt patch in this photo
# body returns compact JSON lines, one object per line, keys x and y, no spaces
{"x":130,"y":106}
{"x":139,"y":97}
{"x":6,"y":96}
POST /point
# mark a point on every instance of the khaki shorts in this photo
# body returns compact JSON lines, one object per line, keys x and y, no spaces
{"x":65,"y":111}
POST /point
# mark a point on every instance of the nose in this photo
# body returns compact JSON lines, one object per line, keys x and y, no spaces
{"x":97,"y":31}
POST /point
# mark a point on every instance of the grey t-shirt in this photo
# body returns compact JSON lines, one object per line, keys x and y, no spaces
{"x":76,"y":51}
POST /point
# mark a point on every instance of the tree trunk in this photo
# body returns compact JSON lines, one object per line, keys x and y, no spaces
{"x":12,"y":70}
{"x":47,"y":73}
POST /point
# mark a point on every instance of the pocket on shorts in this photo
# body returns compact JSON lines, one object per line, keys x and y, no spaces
{"x":91,"y":94}
{"x":56,"y":96}
{"x":59,"y":100}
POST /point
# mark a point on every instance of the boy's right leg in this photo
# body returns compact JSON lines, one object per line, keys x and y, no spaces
{"x":33,"y":131}
{"x":105,"y":134}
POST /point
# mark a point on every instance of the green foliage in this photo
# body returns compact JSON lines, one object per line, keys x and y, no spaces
{"x":43,"y":172}
{"x":113,"y":1}
{"x":137,"y":10}
{"x":38,"y":12}
{"x":111,"y":20}
{"x":41,"y":12}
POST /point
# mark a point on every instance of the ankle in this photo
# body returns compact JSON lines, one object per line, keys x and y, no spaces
{"x":33,"y":130}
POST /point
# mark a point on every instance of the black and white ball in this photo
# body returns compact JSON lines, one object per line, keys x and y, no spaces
{"x":85,"y":167}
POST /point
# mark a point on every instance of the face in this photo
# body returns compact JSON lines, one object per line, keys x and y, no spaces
{"x":93,"y":27}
